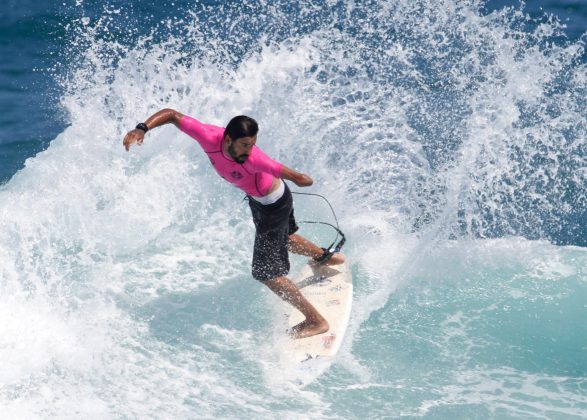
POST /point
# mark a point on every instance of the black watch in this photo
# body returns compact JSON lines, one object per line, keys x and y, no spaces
{"x":142,"y":126}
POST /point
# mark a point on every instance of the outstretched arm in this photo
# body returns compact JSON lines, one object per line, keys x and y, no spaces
{"x":300,"y":179}
{"x":165,"y":116}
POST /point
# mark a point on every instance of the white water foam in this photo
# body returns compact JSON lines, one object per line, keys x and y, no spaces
{"x":129,"y":272}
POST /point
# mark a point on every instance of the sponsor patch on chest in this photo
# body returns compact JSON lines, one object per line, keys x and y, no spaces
{"x":236,"y":175}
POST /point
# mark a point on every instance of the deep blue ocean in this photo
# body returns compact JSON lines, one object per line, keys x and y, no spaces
{"x":449,"y":135}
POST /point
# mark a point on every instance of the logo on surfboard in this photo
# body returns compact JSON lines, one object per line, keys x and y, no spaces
{"x":328,"y":341}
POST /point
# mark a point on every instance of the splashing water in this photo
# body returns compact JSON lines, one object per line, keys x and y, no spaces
{"x":450,"y":141}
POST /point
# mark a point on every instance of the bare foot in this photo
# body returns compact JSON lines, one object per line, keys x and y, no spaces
{"x":308,"y":329}
{"x":336,"y":259}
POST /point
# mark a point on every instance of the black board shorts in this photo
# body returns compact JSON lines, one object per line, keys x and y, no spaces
{"x":273,"y":224}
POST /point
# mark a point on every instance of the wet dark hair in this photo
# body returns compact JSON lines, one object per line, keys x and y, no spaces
{"x":241,"y":126}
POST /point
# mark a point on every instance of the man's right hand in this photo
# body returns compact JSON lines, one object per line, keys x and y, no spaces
{"x":159,"y":118}
{"x":134,"y":136}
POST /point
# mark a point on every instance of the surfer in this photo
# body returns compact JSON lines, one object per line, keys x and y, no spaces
{"x":233,"y":153}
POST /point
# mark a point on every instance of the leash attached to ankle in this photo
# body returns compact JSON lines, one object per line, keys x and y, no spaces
{"x":331,"y":250}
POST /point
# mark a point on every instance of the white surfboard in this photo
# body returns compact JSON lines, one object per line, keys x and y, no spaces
{"x":330,"y":290}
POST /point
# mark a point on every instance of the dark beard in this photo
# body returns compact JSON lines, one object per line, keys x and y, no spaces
{"x":238,"y":158}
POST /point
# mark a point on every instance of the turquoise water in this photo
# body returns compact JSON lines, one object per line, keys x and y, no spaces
{"x":449,"y":137}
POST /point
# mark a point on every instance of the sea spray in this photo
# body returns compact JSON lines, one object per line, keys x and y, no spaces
{"x":430,"y":125}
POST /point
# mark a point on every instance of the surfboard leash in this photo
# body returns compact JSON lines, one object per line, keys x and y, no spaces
{"x":334,"y":246}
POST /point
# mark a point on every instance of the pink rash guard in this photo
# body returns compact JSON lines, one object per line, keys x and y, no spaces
{"x":254,"y":177}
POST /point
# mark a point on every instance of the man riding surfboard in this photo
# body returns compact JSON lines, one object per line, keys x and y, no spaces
{"x":233,"y":153}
